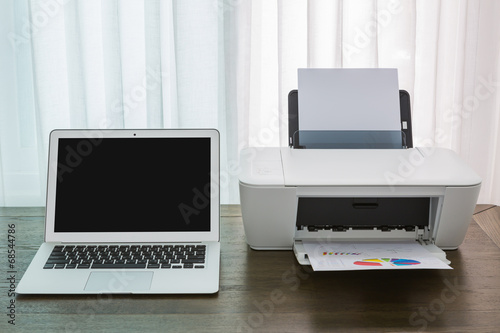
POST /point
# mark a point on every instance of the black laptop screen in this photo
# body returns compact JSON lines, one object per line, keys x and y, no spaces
{"x":133,"y":185}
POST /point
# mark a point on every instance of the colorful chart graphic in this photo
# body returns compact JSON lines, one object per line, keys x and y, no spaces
{"x":341,"y":253}
{"x":382,"y":261}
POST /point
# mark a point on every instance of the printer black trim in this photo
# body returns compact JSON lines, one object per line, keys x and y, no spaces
{"x":404,"y":104}
{"x":340,"y":214}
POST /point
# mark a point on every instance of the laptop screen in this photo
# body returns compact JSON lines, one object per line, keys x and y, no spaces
{"x":128,"y":184}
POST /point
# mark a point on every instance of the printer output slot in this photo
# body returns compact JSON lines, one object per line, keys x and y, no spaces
{"x":324,"y":227}
{"x":344,"y":228}
{"x":365,"y":205}
{"x":383,"y":213}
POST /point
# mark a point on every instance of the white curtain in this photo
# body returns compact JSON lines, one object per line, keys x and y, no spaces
{"x":230,"y":64}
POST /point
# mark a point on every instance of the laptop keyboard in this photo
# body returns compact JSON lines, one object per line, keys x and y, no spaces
{"x":126,"y":256}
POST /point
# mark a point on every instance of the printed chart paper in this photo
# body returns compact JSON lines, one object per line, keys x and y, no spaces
{"x":342,"y":256}
{"x":348,"y":99}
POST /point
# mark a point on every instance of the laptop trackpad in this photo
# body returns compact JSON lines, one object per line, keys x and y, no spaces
{"x":119,"y":281}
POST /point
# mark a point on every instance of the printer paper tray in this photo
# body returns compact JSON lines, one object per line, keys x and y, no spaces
{"x":327,"y":255}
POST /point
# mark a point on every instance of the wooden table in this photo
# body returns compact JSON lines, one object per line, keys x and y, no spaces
{"x":267,"y":291}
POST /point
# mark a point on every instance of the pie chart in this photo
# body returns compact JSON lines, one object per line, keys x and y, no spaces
{"x":391,"y":261}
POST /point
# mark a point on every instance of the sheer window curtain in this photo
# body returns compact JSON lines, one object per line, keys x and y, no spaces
{"x":230,"y":64}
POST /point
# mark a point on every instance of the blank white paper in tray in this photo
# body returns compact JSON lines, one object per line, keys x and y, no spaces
{"x":348,"y":99}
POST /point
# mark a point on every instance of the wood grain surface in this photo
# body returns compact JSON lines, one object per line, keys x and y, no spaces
{"x":489,"y":221}
{"x":267,"y":291}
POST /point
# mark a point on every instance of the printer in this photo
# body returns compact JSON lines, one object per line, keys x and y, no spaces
{"x":294,"y":194}
{"x":290,"y":195}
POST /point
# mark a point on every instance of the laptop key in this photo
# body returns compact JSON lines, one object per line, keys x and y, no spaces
{"x":138,"y":265}
{"x":48,"y":266}
{"x":59,"y":266}
{"x":117,"y":266}
{"x":196,"y":257}
{"x":193,"y":261}
{"x":57,"y":261}
{"x":94,"y":266}
{"x":199,"y":266}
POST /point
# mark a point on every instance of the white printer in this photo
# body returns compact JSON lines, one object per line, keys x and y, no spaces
{"x":372,"y":189}
{"x":290,"y":195}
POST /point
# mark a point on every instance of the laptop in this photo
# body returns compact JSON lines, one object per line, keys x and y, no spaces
{"x":130,"y":212}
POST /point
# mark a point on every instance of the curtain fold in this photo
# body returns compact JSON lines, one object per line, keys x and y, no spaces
{"x":230,"y":64}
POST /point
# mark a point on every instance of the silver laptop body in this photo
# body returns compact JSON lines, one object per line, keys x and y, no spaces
{"x":129,"y":211}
